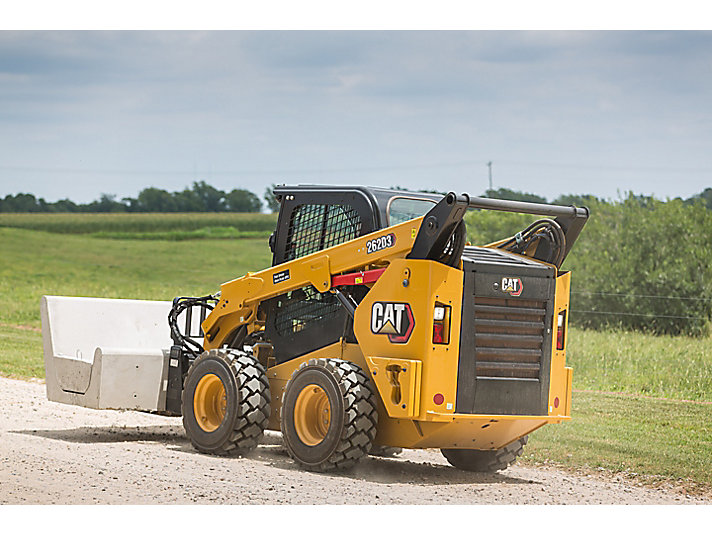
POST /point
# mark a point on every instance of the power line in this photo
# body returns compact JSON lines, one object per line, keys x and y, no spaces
{"x":640,"y":296}
{"x":639,"y":315}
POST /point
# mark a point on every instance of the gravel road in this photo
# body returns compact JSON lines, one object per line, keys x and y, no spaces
{"x":57,"y":454}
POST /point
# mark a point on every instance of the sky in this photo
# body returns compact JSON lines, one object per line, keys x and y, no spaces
{"x":556,"y":112}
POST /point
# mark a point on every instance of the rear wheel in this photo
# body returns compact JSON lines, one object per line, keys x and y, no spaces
{"x":329,"y":416}
{"x":226,"y":402}
{"x":485,"y":461}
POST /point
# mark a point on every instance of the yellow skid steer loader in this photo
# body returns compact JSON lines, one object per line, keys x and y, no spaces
{"x":377,"y":327}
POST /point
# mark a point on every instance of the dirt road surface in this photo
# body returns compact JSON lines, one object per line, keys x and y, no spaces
{"x":57,"y":454}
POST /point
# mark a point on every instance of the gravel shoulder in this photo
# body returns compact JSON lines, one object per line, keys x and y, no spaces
{"x":57,"y":454}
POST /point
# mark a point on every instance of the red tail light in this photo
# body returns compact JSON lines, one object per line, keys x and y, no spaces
{"x":560,"y":330}
{"x":441,"y":324}
{"x":438,"y":333}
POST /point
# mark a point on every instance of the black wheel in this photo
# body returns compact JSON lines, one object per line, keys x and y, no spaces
{"x":329,"y":415}
{"x":226,"y":402}
{"x":485,"y":461}
{"x":385,"y":452}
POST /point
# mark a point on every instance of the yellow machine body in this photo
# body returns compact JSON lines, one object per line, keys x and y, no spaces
{"x":416,"y":379}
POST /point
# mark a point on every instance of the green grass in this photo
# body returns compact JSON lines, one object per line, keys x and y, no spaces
{"x":658,"y":439}
{"x":675,"y":367}
{"x":21,"y":352}
{"x":89,"y":223}
{"x":208,"y":232}
{"x":650,"y":439}
{"x":39,"y":263}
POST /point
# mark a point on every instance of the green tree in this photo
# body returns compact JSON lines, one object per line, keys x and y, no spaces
{"x":705,"y":197}
{"x":106,"y":204}
{"x":270,"y":200}
{"x":644,"y":265}
{"x":211,"y":199}
{"x":152,"y":199}
{"x":22,"y":202}
{"x":63,"y":206}
{"x":508,"y":194}
{"x":577,"y":200}
{"x":242,"y":200}
{"x":488,"y":226}
{"x":188,"y":201}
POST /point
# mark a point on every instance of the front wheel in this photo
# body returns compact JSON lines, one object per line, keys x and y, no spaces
{"x":328,"y":418}
{"x":485,"y":461}
{"x":226,"y":402}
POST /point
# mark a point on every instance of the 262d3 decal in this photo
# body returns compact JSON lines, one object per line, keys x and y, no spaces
{"x":379,"y":243}
{"x":394,"y":319}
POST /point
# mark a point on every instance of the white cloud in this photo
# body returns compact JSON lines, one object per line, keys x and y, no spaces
{"x":387,"y":108}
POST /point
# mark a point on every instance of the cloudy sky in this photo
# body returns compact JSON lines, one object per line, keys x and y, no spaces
{"x":86,"y":113}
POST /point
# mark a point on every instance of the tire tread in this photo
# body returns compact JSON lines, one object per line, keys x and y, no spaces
{"x":361,"y":416}
{"x":254,"y":402}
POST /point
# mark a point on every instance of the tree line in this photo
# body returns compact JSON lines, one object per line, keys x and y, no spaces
{"x":202,"y":197}
{"x":199,"y":197}
{"x":639,"y":264}
{"x":705,"y":197}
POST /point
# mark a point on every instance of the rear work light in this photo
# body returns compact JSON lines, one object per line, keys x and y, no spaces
{"x":441,"y":324}
{"x":560,"y":330}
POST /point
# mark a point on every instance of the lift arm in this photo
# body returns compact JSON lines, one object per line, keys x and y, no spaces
{"x":421,"y":238}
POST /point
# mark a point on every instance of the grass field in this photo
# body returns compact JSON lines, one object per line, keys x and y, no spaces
{"x":39,"y":263}
{"x":656,"y":366}
{"x":653,"y":440}
{"x":664,"y":439}
{"x":130,"y":223}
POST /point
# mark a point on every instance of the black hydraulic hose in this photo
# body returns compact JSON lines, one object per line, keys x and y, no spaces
{"x":543,"y":228}
{"x":519,"y":237}
{"x":562,"y":243}
{"x":452,"y":254}
{"x":181,"y":304}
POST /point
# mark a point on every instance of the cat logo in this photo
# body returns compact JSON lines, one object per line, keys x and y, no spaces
{"x":394,"y":319}
{"x":513,"y":286}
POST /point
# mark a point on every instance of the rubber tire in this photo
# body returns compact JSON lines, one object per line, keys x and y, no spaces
{"x":354,"y":417}
{"x":248,"y":402}
{"x":485,"y":461}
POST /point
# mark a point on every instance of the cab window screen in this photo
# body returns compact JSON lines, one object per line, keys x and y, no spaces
{"x":405,"y":209}
{"x":304,"y":308}
{"x":314,"y":227}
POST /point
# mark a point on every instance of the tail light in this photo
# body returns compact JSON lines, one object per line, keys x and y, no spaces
{"x":441,"y":324}
{"x":438,"y":333}
{"x":560,"y":330}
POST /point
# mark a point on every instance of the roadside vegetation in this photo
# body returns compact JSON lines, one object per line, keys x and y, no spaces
{"x":640,"y":263}
{"x":652,"y":441}
{"x":642,"y":403}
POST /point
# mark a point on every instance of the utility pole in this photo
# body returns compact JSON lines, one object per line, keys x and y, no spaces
{"x":489,"y":164}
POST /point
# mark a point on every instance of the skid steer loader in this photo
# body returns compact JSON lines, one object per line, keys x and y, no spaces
{"x":376,"y":327}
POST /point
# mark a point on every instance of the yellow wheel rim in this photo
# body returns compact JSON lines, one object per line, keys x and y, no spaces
{"x":209,"y":402}
{"x":312,"y":415}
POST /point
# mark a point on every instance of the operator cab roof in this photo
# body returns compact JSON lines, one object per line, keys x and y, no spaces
{"x":409,"y":204}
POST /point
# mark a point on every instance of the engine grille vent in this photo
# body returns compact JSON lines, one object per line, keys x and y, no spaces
{"x":509,"y":337}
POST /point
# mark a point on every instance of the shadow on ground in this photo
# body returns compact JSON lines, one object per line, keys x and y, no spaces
{"x":112,"y":434}
{"x":396,"y":470}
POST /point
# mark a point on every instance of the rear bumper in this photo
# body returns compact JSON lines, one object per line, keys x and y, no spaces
{"x":461,"y":431}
